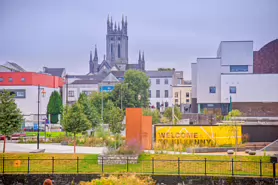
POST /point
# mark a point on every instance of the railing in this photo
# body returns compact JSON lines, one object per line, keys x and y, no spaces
{"x":152,"y":166}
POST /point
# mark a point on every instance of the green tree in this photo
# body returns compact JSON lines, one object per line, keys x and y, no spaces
{"x":96,"y":100}
{"x":11,"y":117}
{"x":89,"y":110}
{"x":75,"y":121}
{"x":177,"y":114}
{"x":138,"y":85}
{"x":113,"y":116}
{"x":122,"y":96}
{"x":155,"y":114}
{"x":55,"y":106}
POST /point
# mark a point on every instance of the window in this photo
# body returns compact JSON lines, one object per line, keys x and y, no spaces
{"x":158,"y":93}
{"x":20,"y":94}
{"x":119,"y":51}
{"x":87,"y":92}
{"x":71,"y":93}
{"x":1,"y":79}
{"x":166,"y":104}
{"x":179,"y":81}
{"x":212,"y":90}
{"x":239,"y":68}
{"x":111,"y":48}
{"x":187,"y":95}
{"x":166,"y":93}
{"x":10,"y":79}
{"x":166,"y":81}
{"x":23,"y":79}
{"x":157,"y":81}
{"x":150,"y":93}
{"x":176,"y":94}
{"x":176,"y":101}
{"x":119,"y":38}
{"x":187,"y":100}
{"x":233,"y":90}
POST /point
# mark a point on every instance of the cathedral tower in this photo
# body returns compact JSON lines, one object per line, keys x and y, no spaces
{"x":117,"y":42}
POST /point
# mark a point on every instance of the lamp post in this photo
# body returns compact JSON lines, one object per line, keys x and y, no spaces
{"x":139,"y":98}
{"x":122,"y":97}
{"x":38,"y":136}
{"x":101,"y":88}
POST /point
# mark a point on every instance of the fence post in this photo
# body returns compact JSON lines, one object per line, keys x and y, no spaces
{"x":52,"y":165}
{"x":178,"y":165}
{"x":261,"y":174}
{"x":77,"y":164}
{"x":28,"y":165}
{"x":274,"y":169}
{"x":152,"y":165}
{"x":102,"y":167}
{"x":232,"y":167}
{"x":3,"y":165}
{"x":205,"y":166}
{"x":126,"y":164}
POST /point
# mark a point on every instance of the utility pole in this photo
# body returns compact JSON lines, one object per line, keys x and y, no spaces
{"x":38,"y":136}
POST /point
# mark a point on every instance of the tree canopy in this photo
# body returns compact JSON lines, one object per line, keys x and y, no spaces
{"x":11,"y":117}
{"x":155,"y":114}
{"x":54,"y":106}
{"x":177,"y":113}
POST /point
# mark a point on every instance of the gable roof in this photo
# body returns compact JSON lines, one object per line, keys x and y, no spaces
{"x":118,"y":74}
{"x":13,"y":67}
{"x":104,"y":63}
{"x":159,"y":74}
{"x":110,"y":78}
{"x":54,"y":71}
{"x":85,"y":82}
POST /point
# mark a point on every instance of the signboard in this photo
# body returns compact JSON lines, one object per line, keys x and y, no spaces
{"x":107,"y":88}
{"x":197,"y":135}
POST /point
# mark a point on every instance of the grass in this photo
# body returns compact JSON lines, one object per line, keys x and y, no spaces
{"x":49,"y":134}
{"x":162,"y":164}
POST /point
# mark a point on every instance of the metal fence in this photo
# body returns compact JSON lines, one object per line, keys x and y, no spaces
{"x":152,"y":167}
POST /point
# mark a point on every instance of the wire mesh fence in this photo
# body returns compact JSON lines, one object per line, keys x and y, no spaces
{"x":151,"y":166}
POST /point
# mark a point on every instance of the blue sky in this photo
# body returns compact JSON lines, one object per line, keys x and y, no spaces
{"x":37,"y":33}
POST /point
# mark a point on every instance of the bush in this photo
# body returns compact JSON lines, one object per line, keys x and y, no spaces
{"x":131,"y":148}
{"x":124,"y":179}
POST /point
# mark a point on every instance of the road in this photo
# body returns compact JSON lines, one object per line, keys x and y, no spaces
{"x":50,"y":148}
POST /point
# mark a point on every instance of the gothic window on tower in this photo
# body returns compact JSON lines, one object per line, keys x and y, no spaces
{"x":119,"y":51}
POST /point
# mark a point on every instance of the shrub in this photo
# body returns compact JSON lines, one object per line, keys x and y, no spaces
{"x":130,"y":148}
{"x":124,"y":179}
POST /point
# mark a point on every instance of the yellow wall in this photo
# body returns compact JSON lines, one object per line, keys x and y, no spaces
{"x":198,"y":135}
{"x":181,"y":92}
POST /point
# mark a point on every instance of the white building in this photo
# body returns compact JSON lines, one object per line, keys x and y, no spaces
{"x":161,"y":89}
{"x":229,"y":77}
{"x":25,"y":86}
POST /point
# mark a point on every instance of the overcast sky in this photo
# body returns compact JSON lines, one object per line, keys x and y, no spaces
{"x":61,"y":33}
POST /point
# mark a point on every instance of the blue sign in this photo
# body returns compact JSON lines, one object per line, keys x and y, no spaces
{"x":121,"y":78}
{"x":107,"y":88}
{"x":35,"y":127}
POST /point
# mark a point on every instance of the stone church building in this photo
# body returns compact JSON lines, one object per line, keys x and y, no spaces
{"x":116,"y":58}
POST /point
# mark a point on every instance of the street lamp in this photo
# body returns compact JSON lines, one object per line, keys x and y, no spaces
{"x":38,"y":136}
{"x":139,"y":98}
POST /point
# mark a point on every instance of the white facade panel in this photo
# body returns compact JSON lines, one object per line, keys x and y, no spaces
{"x":29,"y":104}
{"x":208,"y":75}
{"x":250,"y":88}
{"x":194,"y":79}
{"x":236,"y":53}
{"x":161,"y":87}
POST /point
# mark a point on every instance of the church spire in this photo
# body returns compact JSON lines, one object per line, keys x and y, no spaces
{"x":95,"y":57}
{"x":139,"y":56}
{"x":143,"y":58}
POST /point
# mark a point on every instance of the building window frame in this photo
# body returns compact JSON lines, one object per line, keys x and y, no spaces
{"x":23,"y":79}
{"x":157,"y":94}
{"x":150,"y":93}
{"x":166,"y":93}
{"x":166,"y":81}
{"x":187,"y":100}
{"x":238,"y":68}
{"x":176,"y":94}
{"x":157,"y":81}
{"x":187,"y":94}
{"x":71,"y":93}
{"x":232,"y":89}
{"x":11,"y":79}
{"x":212,"y":89}
{"x":1,"y":79}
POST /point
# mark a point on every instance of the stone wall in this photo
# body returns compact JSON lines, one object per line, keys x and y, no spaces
{"x":62,"y":179}
{"x":200,"y":119}
{"x":117,"y":159}
{"x":257,"y":109}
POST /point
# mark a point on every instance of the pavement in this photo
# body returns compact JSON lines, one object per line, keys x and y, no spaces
{"x":50,"y":148}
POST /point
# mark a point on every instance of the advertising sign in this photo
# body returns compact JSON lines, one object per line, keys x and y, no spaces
{"x":106,"y":88}
{"x":198,"y":135}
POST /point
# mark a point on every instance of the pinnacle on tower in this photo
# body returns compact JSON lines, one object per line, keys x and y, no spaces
{"x":119,"y":28}
{"x":111,"y":22}
{"x":126,"y":20}
{"x":95,"y":57}
{"x":143,"y":57}
{"x":108,"y":19}
{"x":91,"y":56}
{"x":115,"y":28}
{"x":139,"y":56}
{"x":122,"y":19}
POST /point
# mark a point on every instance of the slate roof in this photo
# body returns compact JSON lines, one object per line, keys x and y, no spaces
{"x":159,"y":74}
{"x":104,"y":62}
{"x":85,"y":82}
{"x":13,"y":67}
{"x":54,"y":71}
{"x":118,"y":74}
{"x":17,"y":66}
